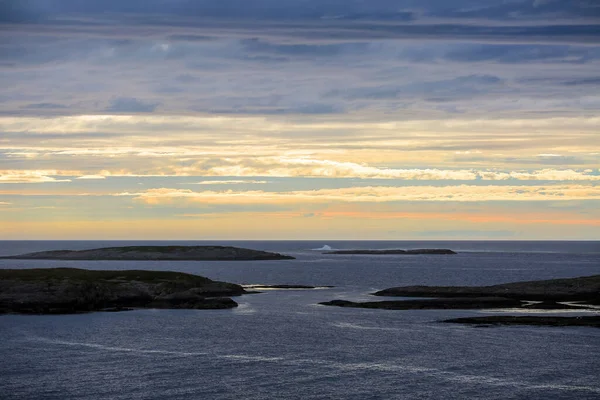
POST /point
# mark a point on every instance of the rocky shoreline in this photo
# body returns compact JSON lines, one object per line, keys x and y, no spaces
{"x":156,"y":253}
{"x":72,"y":290}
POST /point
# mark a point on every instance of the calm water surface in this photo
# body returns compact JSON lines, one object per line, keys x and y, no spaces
{"x":281,"y":345}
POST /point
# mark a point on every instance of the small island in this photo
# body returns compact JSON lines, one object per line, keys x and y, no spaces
{"x":571,"y":294}
{"x":156,"y":253}
{"x":585,"y":289}
{"x":393,"y":252}
{"x":72,"y":290}
{"x":430,"y":304}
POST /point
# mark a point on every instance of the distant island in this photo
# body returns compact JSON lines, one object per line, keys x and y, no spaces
{"x":555,"y":294}
{"x":393,"y":251}
{"x":72,"y":290}
{"x":156,"y":253}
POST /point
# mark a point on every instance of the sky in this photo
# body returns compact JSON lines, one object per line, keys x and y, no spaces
{"x":300,"y":119}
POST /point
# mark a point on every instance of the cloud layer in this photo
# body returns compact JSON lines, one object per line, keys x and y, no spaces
{"x":309,"y":111}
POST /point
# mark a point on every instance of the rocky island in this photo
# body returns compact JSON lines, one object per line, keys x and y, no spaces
{"x":156,"y":253}
{"x":430,"y":304}
{"x":555,"y":294}
{"x":392,"y":251}
{"x":72,"y":290}
{"x":585,"y":289}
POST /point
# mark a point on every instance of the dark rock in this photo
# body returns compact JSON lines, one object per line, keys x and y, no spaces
{"x":170,"y":253}
{"x":393,"y":251}
{"x":71,"y":290}
{"x":592,"y":321}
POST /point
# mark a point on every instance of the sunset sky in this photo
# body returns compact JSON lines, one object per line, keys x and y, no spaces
{"x":300,"y":119}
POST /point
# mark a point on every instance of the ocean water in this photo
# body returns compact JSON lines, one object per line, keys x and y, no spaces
{"x":281,"y":345}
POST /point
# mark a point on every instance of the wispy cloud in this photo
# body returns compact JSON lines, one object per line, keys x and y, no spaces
{"x":227,"y":182}
{"x":30,"y":176}
{"x":91,"y":177}
{"x":375,"y":194}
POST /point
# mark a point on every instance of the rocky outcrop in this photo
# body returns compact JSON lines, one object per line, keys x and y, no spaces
{"x":591,"y":321}
{"x":393,"y":251}
{"x":571,"y":289}
{"x":169,"y":253}
{"x":71,"y":290}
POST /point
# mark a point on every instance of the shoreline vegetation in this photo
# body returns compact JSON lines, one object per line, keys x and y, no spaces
{"x":156,"y":253}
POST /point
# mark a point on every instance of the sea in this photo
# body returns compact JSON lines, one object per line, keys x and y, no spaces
{"x":280,"y":344}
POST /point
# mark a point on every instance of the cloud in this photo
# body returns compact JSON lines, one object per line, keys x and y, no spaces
{"x":374,"y":194}
{"x":301,"y":49}
{"x":461,"y":233}
{"x":569,"y":21}
{"x":130,"y":105}
{"x":30,"y":176}
{"x":42,"y":106}
{"x":226,"y":182}
{"x":290,"y":167}
{"x":594,"y":81}
{"x":520,"y":54}
{"x":91,"y":177}
{"x":303,"y":109}
{"x":456,"y":87}
{"x":542,"y":175}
